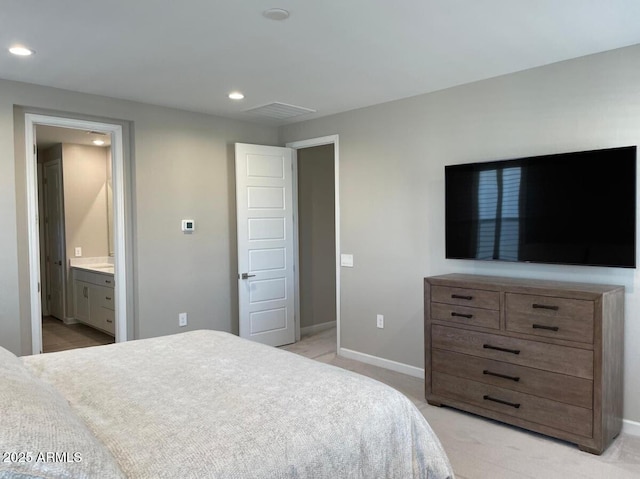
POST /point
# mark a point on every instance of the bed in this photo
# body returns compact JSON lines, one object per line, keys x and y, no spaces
{"x":204,"y":404}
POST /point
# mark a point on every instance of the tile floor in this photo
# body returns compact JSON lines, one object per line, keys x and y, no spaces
{"x":57,"y":336}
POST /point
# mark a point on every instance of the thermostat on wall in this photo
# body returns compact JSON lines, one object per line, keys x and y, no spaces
{"x":188,"y":226}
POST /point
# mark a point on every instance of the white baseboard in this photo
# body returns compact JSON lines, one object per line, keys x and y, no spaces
{"x":317,"y":328}
{"x":631,"y":427}
{"x":382,"y":363}
{"x":70,"y":321}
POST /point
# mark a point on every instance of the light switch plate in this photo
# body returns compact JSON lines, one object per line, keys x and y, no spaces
{"x":78,"y":251}
{"x":346,"y":260}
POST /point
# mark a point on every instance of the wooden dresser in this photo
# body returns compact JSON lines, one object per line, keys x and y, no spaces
{"x":542,"y":355}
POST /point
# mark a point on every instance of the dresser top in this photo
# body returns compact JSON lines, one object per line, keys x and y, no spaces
{"x":521,"y":284}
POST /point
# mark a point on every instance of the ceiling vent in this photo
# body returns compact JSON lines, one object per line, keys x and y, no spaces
{"x":279,"y":111}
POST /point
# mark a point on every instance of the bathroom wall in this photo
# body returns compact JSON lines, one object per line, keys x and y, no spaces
{"x":84,"y":181}
{"x":84,"y":170}
{"x":84,"y":176}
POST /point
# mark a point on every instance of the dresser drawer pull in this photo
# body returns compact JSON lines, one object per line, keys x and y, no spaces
{"x":460,"y":296}
{"x":498,"y":375}
{"x":505,"y":350}
{"x":460,"y":315}
{"x":542,"y":326}
{"x":507,"y":403}
{"x":107,"y":298}
{"x":545,"y":306}
{"x":109,"y":320}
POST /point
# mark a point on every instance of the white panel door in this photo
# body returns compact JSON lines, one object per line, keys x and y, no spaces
{"x":264,"y":187}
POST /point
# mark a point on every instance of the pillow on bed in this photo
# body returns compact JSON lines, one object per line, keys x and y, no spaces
{"x":40,"y":436}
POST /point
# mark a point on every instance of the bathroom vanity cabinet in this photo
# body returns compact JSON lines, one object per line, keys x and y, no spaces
{"x":94,"y":296}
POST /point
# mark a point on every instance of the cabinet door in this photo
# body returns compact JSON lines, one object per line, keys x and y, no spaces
{"x":81,"y":300}
{"x":101,"y":317}
{"x":108,"y":317}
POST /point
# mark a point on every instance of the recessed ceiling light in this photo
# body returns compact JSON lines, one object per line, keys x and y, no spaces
{"x":276,"y":14}
{"x":236,"y":95}
{"x":98,"y":142}
{"x":21,"y":51}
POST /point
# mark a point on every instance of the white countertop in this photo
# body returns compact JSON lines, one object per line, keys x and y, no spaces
{"x":97,"y":268}
{"x":102,"y":265}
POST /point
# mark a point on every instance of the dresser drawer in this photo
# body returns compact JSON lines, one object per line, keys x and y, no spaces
{"x":560,"y":318}
{"x":476,"y":298}
{"x":558,"y":387}
{"x":573,"y":419}
{"x":485,"y":318}
{"x":548,"y":357}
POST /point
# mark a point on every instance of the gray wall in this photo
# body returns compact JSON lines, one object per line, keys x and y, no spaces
{"x":182,"y":168}
{"x":392,"y":159}
{"x":317,"y":235}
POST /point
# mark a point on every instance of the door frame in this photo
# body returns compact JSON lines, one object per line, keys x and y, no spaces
{"x":120,"y":245}
{"x":297,"y":145}
{"x":46,"y":284}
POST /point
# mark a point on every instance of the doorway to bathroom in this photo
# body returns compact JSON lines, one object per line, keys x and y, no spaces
{"x":77,"y":241}
{"x":75,"y":194}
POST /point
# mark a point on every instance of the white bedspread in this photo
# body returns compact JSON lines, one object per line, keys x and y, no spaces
{"x":208,"y":404}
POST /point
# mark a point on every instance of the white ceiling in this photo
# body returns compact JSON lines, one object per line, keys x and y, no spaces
{"x":330,"y":55}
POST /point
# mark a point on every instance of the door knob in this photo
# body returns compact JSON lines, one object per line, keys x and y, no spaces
{"x":247,"y":275}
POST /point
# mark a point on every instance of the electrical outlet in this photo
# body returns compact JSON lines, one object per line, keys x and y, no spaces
{"x":380,"y":321}
{"x":78,"y":251}
{"x":182,"y":319}
{"x":346,"y":260}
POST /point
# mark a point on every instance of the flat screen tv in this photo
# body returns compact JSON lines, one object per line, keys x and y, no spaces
{"x":571,"y":208}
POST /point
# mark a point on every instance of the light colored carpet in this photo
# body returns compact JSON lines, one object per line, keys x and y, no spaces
{"x":480,"y":448}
